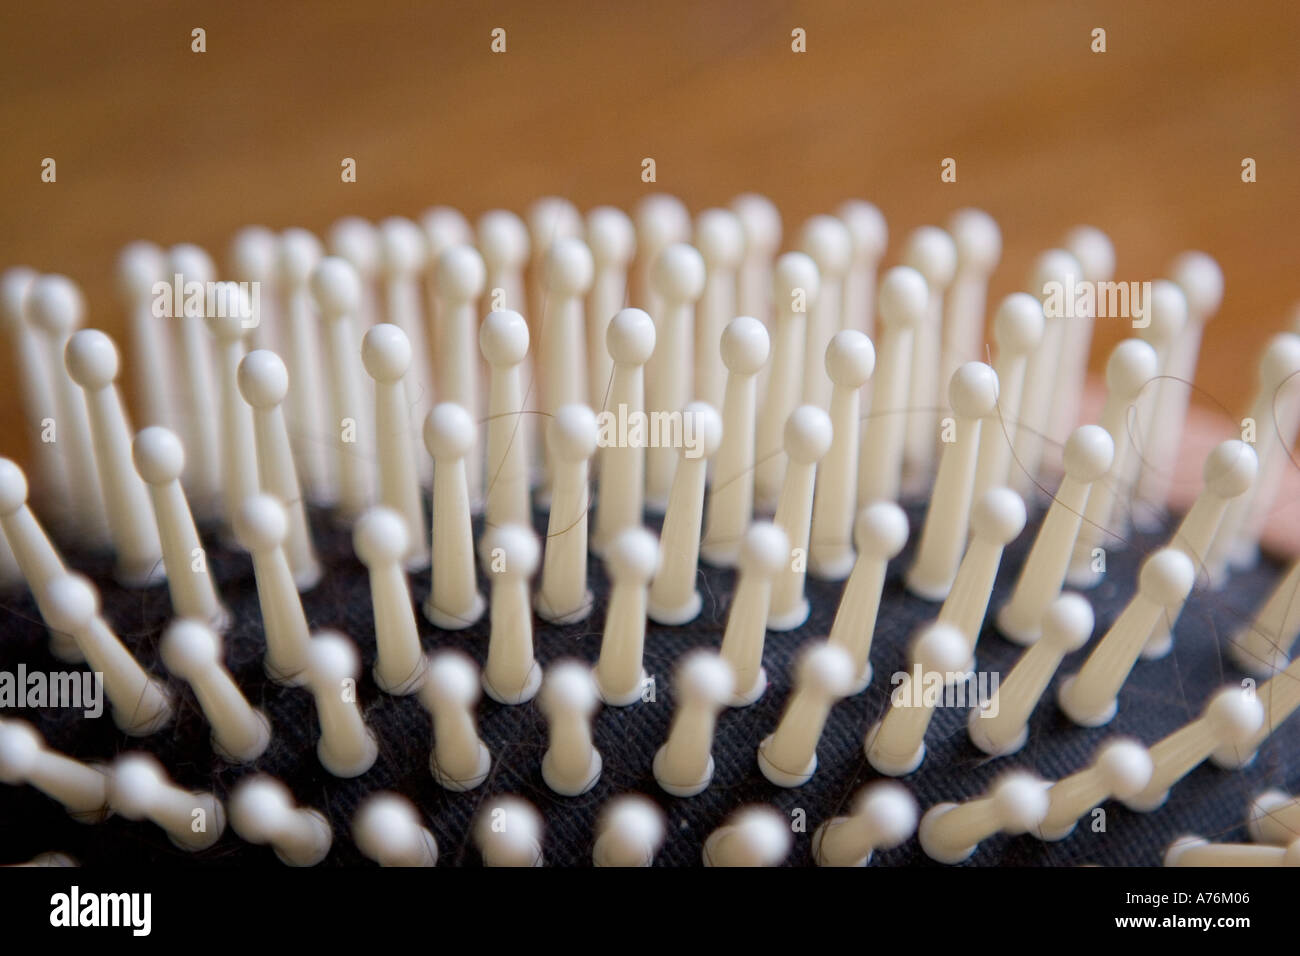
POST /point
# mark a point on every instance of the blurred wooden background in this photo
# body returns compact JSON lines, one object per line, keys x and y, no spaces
{"x":1144,"y":141}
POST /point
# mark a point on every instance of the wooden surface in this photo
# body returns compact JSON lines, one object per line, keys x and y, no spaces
{"x":1145,"y":140}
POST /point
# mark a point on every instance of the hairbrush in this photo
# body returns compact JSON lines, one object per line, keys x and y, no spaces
{"x":634,"y":540}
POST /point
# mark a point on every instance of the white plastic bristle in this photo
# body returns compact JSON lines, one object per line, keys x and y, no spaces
{"x":262,"y":528}
{"x":503,"y":339}
{"x":752,"y":836}
{"x":1263,"y":647}
{"x":808,"y":434}
{"x":1121,"y":769}
{"x":996,"y":520}
{"x":1280,"y":698}
{"x":387,"y":829}
{"x":1001,"y":725}
{"x":55,"y":307}
{"x":660,"y":220}
{"x":264,"y":382}
{"x":357,"y":240}
{"x":1275,"y":414}
{"x":139,"y":789}
{"x":611,"y":237}
{"x":508,"y":832}
{"x":704,"y":683}
{"x":459,"y":760}
{"x":1201,"y":281}
{"x":1230,"y":721}
{"x":951,"y":832}
{"x":443,"y":227}
{"x":404,"y":251}
{"x":569,"y":699}
{"x":1166,"y":322}
{"x":1089,"y":698}
{"x":381,"y":540}
{"x":140,"y":265}
{"x":238,"y":448}
{"x":160,"y":459}
{"x":306,"y":415}
{"x":765,"y":551}
{"x":932,"y":253}
{"x":48,"y":859}
{"x":1274,"y":817}
{"x":346,"y":748}
{"x":721,"y":242}
{"x":1229,"y":472}
{"x":901,"y":306}
{"x":978,"y":242}
{"x":254,"y":259}
{"x":454,"y":601}
{"x":972,"y":395}
{"x":404,"y":254}
{"x":870,"y":236}
{"x":38,"y":396}
{"x":564,"y":597}
{"x":386,"y":354}
{"x":1017,"y":332}
{"x":795,"y":285}
{"x":760,"y":221}
{"x":1131,"y":365}
{"x":880,"y":531}
{"x":81,"y":788}
{"x":550,"y":219}
{"x":630,"y":339}
{"x":36,"y":557}
{"x":850,"y":362}
{"x":827,"y":242}
{"x":1053,"y":276}
{"x":673,"y":597}
{"x":262,"y":810}
{"x":1087,"y":458}
{"x":510,"y":554}
{"x":337,"y":293}
{"x":192,"y":651}
{"x":503,"y":242}
{"x":629,"y":832}
{"x":1095,"y":254}
{"x":92,"y":361}
{"x":895,"y":744}
{"x":461,"y":277}
{"x":561,"y":337}
{"x":196,"y":422}
{"x":631,"y":560}
{"x":678,"y":278}
{"x":788,"y":756}
{"x":1198,"y":852}
{"x":884,"y":815}
{"x":745,"y":347}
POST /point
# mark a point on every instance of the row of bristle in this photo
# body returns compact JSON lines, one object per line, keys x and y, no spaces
{"x":770,"y":397}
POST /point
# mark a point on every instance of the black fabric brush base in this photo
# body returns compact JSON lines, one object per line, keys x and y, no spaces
{"x":1159,"y":697}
